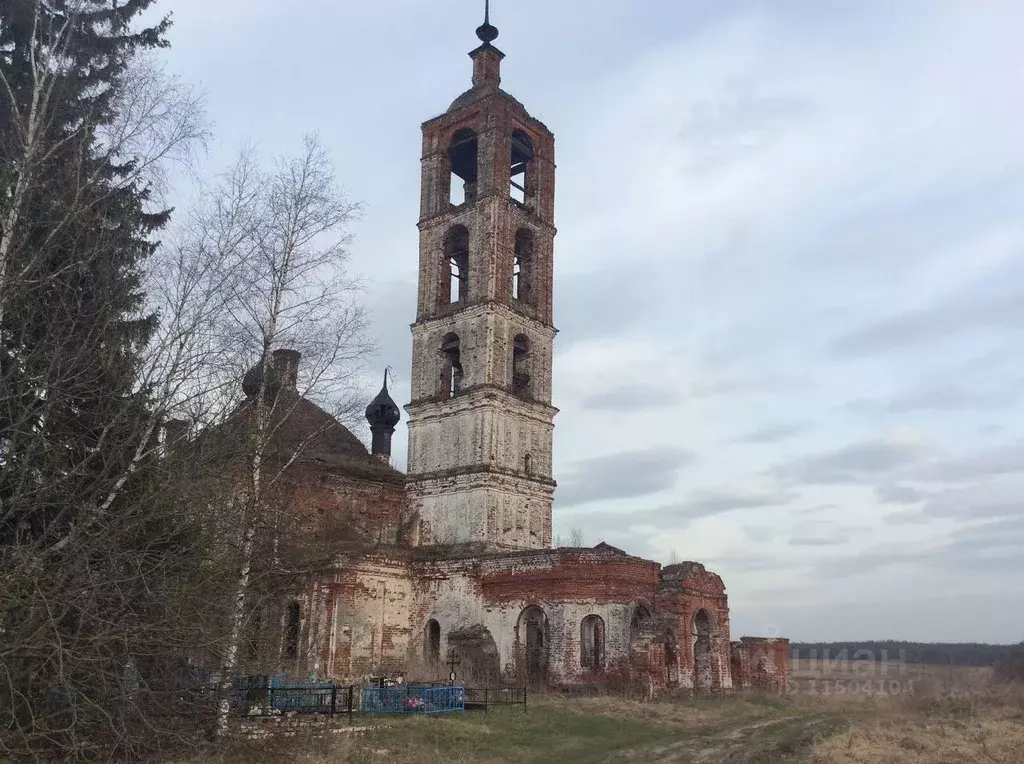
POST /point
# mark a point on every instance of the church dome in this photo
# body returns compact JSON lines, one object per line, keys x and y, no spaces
{"x":383,"y":411}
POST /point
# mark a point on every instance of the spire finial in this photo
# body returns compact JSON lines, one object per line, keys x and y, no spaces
{"x":486,"y":32}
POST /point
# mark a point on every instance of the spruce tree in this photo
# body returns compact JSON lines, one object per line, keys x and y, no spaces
{"x":87,"y":556}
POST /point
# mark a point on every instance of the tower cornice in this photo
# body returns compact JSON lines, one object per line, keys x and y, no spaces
{"x":483,"y":308}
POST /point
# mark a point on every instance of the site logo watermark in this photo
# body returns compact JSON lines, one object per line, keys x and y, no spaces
{"x":850,"y":672}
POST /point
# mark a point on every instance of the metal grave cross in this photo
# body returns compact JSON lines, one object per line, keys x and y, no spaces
{"x":453,"y":661}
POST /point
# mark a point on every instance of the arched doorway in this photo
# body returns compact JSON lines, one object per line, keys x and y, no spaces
{"x":477,"y":655}
{"x":702,"y":628}
{"x":533,"y":636}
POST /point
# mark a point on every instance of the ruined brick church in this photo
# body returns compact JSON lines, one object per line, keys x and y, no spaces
{"x":453,"y":559}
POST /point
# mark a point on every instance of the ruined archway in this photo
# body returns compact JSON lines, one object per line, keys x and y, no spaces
{"x":702,"y":630}
{"x":476,"y":655}
{"x":532,"y":635}
{"x":671,"y":659}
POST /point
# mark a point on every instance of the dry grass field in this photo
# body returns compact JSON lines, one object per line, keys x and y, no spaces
{"x":834,"y":714}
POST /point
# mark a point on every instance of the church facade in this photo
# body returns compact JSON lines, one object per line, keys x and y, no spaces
{"x":451,"y":563}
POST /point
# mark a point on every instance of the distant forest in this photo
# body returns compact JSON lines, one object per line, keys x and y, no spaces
{"x":939,"y":653}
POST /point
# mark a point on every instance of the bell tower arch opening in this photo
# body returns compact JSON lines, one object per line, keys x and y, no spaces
{"x":522,"y":266}
{"x":463,"y":161}
{"x":456,"y":263}
{"x":519,"y":167}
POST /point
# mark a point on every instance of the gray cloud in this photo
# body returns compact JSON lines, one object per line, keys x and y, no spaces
{"x":773,"y":433}
{"x":1005,"y":459}
{"x":736,"y":123}
{"x":977,"y":502}
{"x":817,"y":540}
{"x":882,"y":556}
{"x":853,"y":463}
{"x":631,"y":398}
{"x":677,"y":515}
{"x":620,"y":476}
{"x":891,"y":493}
{"x":760,"y":533}
{"x":941,"y":321}
{"x":586,"y":311}
{"x":817,"y":509}
{"x":945,"y":398}
{"x":906,"y":517}
{"x":716,"y":501}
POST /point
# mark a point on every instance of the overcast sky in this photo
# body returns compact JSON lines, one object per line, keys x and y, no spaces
{"x":788,"y":276}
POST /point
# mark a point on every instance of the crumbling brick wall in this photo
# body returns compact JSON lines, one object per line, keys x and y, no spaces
{"x":693,"y":608}
{"x":761,"y":662}
{"x":550,"y":591}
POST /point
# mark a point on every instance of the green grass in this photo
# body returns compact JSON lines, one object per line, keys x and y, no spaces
{"x":546,"y":732}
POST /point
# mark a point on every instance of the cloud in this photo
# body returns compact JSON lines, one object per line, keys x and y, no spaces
{"x":817,"y":540}
{"x":677,"y":515}
{"x":906,"y":517}
{"x":704,"y":503}
{"x":585,"y":310}
{"x":630,"y":398}
{"x":942,"y":321}
{"x":855,"y":463}
{"x":1005,"y":459}
{"x":891,"y":493}
{"x":942,"y":398}
{"x":872,"y":560}
{"x":992,"y":499}
{"x":760,"y":533}
{"x":629,"y":474}
{"x":773,"y":433}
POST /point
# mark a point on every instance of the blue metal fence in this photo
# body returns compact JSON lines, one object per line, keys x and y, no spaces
{"x":413,"y":700}
{"x":268,"y":696}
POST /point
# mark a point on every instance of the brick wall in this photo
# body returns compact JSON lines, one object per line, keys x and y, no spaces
{"x":761,"y":662}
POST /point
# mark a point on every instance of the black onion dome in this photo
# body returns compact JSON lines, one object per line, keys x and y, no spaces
{"x":252,"y":379}
{"x":383,"y":411}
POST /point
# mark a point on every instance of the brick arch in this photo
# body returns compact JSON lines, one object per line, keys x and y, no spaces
{"x":533,"y":639}
{"x":704,"y":631}
{"x":592,"y":636}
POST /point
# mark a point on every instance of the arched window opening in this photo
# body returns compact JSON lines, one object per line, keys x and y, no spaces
{"x":522,"y":155}
{"x":456,"y":255}
{"x":462,"y":157}
{"x":522,"y":266}
{"x":592,"y":643}
{"x":520,"y":365}
{"x":702,"y":629}
{"x":432,"y":648}
{"x":451,"y":373}
{"x":641,"y":615}
{"x":291,"y":631}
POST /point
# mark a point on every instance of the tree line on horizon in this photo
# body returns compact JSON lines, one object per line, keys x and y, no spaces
{"x":978,"y":654}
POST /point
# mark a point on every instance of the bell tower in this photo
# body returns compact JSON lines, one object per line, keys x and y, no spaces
{"x":481,"y":419}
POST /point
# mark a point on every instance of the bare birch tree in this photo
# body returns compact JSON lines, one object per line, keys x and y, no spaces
{"x":280,"y":238}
